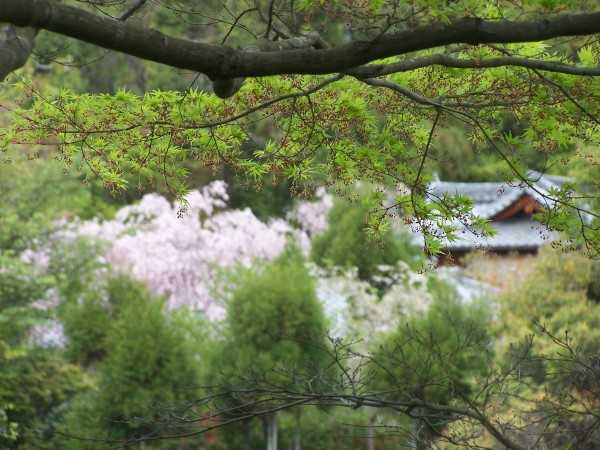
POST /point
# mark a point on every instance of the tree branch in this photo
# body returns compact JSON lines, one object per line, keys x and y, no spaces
{"x":16,"y":44}
{"x":433,"y":103}
{"x":225,"y":88}
{"x":222,"y":62}
{"x":132,"y":10}
{"x":377,"y":70}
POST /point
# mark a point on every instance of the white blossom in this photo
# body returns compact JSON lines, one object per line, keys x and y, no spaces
{"x":311,"y":216}
{"x":356,"y":309}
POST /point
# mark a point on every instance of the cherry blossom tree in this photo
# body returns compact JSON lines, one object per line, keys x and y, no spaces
{"x":182,"y":250}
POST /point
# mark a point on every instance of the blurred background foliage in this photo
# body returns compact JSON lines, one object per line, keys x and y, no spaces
{"x":122,"y":351}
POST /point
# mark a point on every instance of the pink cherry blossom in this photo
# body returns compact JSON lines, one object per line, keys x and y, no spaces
{"x":181,"y":250}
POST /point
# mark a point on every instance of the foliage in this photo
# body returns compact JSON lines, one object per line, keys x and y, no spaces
{"x":31,"y":206}
{"x":346,"y":243}
{"x":455,"y":155}
{"x":273,"y":317}
{"x":435,"y":355}
{"x":31,"y":414}
{"x":559,"y":363}
{"x":147,"y":360}
{"x":36,"y":382}
{"x":48,"y":274}
{"x":558,"y":283}
{"x":555,"y":294}
{"x":124,"y":127}
{"x":19,"y":288}
{"x":379,"y":138}
{"x":274,"y":325}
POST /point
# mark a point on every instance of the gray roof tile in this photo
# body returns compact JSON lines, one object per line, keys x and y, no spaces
{"x":517,"y":233}
{"x":491,"y":198}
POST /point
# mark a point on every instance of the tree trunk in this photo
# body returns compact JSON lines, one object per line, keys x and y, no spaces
{"x":271,"y":431}
{"x":247,"y":435}
{"x":298,"y":430}
{"x":414,"y":433}
{"x":371,"y":432}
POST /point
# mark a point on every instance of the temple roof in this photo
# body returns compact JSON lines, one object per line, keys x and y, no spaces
{"x":516,"y":233}
{"x":508,"y":207}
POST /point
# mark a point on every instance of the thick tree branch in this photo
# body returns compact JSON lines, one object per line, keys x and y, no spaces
{"x":222,"y":62}
{"x":16,"y":44}
{"x":225,"y":88}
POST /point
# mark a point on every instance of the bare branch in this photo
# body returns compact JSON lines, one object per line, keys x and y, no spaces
{"x":132,"y":10}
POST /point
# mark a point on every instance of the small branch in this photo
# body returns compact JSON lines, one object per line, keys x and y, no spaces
{"x":270,"y":18}
{"x":415,"y":187}
{"x":431,"y":103}
{"x":278,"y":31}
{"x":377,"y":70}
{"x":235,"y":22}
{"x":134,"y":8}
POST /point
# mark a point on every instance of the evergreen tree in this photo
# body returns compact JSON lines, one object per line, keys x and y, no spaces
{"x":274,"y":324}
{"x":147,"y":362}
{"x":434,"y":356}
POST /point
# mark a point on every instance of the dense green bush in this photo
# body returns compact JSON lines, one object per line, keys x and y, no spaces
{"x":274,"y":322}
{"x":147,"y":360}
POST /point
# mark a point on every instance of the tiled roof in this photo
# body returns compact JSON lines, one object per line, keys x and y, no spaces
{"x":516,"y":233}
{"x":491,"y":198}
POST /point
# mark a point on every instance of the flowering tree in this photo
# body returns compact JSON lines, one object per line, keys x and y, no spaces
{"x":180,"y":250}
{"x":360,"y":311}
{"x":311,"y":216}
